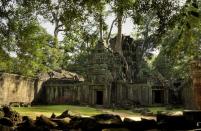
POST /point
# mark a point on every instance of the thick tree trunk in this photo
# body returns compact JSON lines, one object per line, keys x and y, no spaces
{"x":118,"y":45}
{"x":101,"y":28}
{"x":56,"y":32}
{"x":109,"y":34}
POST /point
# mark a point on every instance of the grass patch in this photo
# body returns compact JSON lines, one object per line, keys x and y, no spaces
{"x":47,"y":110}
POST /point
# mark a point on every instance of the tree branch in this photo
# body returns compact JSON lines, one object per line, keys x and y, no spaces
{"x":108,"y":37}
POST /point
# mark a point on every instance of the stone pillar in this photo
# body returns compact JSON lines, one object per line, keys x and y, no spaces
{"x":166,"y":95}
{"x":196,"y":83}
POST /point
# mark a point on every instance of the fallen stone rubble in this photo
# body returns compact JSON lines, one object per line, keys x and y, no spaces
{"x":12,"y":121}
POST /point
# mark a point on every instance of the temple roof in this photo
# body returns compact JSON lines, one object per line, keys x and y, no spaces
{"x":61,"y":74}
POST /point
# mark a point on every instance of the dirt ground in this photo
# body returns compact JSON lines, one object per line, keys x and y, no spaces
{"x":136,"y":117}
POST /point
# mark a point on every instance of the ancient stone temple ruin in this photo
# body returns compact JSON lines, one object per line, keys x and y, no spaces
{"x":106,"y":83}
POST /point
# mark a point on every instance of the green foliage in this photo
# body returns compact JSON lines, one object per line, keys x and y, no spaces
{"x":24,"y":44}
{"x":154,"y":17}
{"x":181,"y":43}
{"x":175,"y":29}
{"x":76,"y":50}
{"x":187,"y":32}
{"x":31,"y":48}
{"x":170,"y":67}
{"x":27,"y":49}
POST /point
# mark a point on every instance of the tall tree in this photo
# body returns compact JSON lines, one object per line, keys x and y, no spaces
{"x":181,"y":42}
{"x":33,"y":50}
{"x":184,"y":38}
{"x":23,"y":41}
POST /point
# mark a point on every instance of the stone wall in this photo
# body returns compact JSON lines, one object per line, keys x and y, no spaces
{"x":139,"y":93}
{"x":86,"y":93}
{"x":57,"y":92}
{"x":134,"y":93}
{"x":196,"y":83}
{"x":187,"y":96}
{"x":16,"y":88}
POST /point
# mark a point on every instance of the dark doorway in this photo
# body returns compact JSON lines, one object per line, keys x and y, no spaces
{"x":158,"y":96}
{"x":99,"y":97}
